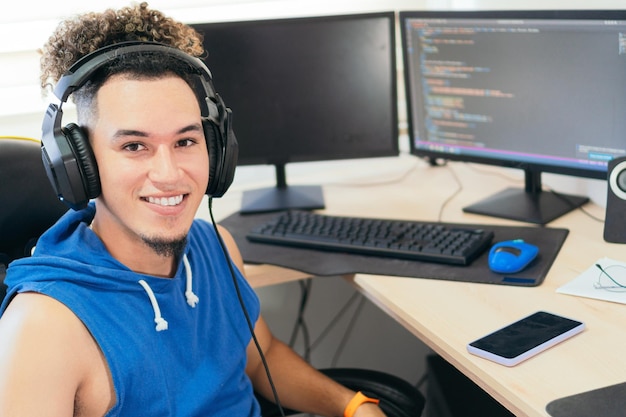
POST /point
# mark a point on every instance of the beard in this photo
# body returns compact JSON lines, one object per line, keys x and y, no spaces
{"x":166,"y":248}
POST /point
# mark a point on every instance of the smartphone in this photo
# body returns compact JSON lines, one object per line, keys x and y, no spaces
{"x":525,"y":338}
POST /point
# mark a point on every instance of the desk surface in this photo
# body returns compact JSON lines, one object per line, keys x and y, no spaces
{"x":447,"y":315}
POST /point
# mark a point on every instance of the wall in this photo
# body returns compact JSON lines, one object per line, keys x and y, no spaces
{"x":22,"y":104}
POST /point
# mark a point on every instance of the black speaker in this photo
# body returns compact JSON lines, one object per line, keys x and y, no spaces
{"x":67,"y":155}
{"x":615,"y":218}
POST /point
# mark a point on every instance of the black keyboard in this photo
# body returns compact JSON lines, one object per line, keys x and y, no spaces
{"x":423,"y":241}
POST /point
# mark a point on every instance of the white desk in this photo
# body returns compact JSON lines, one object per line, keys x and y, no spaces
{"x":447,"y":315}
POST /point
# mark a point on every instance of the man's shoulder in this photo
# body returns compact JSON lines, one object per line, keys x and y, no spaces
{"x":40,"y":326}
{"x":45,"y":349}
{"x":38,"y":311}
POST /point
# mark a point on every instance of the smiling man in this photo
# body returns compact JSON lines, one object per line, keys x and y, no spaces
{"x":129,"y":306}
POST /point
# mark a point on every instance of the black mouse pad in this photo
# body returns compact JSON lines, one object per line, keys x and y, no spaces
{"x":326,"y":263}
{"x":606,"y":402}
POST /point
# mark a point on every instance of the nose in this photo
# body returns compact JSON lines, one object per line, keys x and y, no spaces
{"x":164,"y":168}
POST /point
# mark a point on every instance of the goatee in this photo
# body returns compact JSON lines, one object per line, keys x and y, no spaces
{"x":166,"y":248}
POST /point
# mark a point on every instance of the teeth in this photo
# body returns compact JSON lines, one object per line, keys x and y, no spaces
{"x":166,"y":201}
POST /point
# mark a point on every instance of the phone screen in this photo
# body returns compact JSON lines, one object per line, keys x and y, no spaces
{"x":525,"y":335}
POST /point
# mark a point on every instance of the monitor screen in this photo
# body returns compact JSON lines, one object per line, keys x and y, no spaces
{"x":543,"y":91}
{"x":306,"y":89}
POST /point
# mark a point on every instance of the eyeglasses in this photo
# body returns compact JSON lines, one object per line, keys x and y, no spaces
{"x":611,"y":278}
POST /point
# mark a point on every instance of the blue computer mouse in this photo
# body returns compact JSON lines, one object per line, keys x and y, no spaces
{"x":511,"y":256}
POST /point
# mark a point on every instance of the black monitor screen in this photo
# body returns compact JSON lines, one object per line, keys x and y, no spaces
{"x":307,"y":89}
{"x":536,"y":90}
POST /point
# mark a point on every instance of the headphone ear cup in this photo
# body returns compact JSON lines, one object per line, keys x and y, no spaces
{"x":222,"y":158}
{"x":210,"y":135}
{"x":85,"y":159}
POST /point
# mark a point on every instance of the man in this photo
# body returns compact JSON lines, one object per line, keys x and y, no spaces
{"x":129,"y":306}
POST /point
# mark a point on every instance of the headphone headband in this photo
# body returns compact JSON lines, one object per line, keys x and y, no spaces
{"x":82,"y":70}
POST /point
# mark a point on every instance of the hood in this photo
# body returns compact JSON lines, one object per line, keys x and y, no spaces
{"x":71,"y":251}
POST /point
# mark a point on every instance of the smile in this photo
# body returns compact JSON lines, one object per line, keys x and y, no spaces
{"x":166,"y":201}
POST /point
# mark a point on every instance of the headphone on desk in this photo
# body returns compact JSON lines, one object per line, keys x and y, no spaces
{"x":68,"y":158}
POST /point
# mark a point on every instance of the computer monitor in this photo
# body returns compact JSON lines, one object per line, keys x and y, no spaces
{"x":306,"y":89}
{"x":542,"y":91}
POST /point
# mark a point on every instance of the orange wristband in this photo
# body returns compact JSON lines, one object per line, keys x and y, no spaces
{"x":355,"y":402}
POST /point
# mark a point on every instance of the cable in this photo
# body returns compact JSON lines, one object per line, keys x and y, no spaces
{"x":451,"y":196}
{"x":305,"y":287}
{"x":491,"y":173}
{"x":591,"y":216}
{"x":245,"y":311}
{"x":402,"y":176}
{"x":573,"y":206}
{"x":349,"y":329}
{"x":300,"y":324}
{"x":335,"y":320}
{"x":477,"y":168}
{"x":420,"y":382}
{"x":547,"y":188}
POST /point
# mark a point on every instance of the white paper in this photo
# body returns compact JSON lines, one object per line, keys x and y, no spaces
{"x":593,"y":283}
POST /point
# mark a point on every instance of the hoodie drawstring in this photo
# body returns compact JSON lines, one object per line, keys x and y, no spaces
{"x":161,"y":323}
{"x":192,"y":299}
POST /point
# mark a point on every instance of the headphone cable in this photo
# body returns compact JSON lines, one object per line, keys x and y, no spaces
{"x":245,"y":311}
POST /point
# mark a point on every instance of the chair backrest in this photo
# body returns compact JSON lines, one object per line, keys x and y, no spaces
{"x":29,"y":205}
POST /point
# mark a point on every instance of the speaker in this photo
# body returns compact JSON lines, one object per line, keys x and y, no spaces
{"x":615,"y":218}
{"x":67,"y":156}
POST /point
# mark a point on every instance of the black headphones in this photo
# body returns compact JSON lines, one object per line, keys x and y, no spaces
{"x":67,"y":156}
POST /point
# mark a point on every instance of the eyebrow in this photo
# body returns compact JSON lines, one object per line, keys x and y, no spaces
{"x":195,"y":127}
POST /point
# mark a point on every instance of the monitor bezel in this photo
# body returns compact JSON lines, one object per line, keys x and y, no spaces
{"x":394,"y":150}
{"x":535,"y":168}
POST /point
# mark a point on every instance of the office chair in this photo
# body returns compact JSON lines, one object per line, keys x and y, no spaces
{"x":397,"y":397}
{"x":29,"y":207}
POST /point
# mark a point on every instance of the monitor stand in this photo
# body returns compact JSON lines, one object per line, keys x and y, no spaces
{"x":282,"y":196}
{"x":531,"y":205}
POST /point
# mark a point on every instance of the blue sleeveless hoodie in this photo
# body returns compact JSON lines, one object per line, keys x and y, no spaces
{"x":174,"y":346}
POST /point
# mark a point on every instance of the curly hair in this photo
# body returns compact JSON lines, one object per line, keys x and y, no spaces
{"x":83,"y":34}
